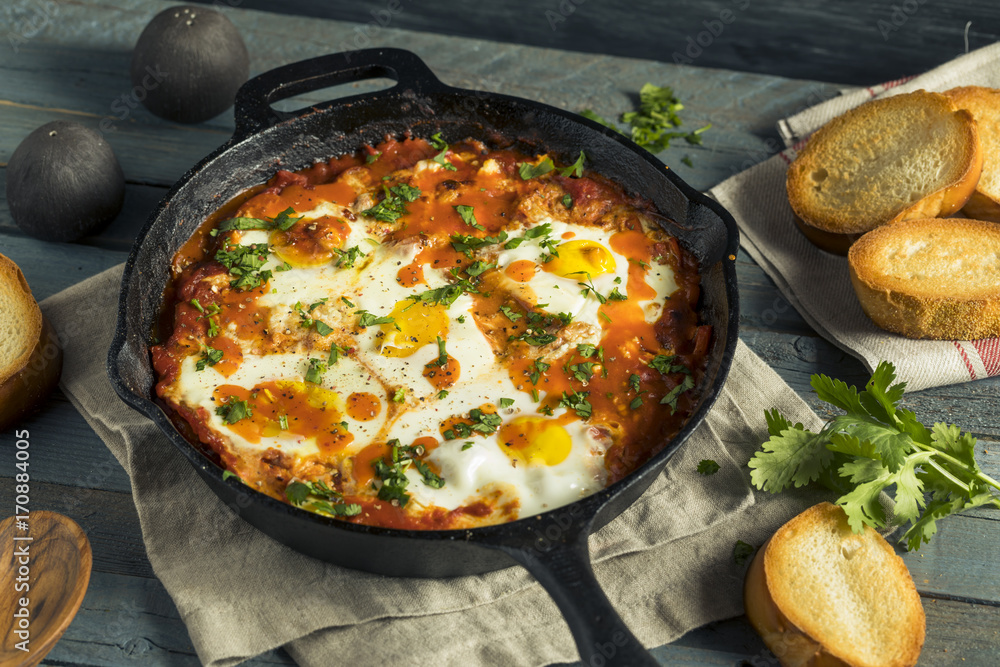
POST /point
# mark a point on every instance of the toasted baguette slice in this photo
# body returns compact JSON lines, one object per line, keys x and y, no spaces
{"x":820,"y":595}
{"x":984,"y":105}
{"x":902,"y":157}
{"x":932,"y":278}
{"x":30,"y":356}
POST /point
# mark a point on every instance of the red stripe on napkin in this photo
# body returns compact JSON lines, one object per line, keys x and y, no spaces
{"x":989,"y":351}
{"x":965,"y":358}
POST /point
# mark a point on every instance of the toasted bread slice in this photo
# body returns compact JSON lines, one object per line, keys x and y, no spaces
{"x":931,"y":278}
{"x":897,"y":158}
{"x":984,"y":105}
{"x":30,"y":356}
{"x":820,"y":594}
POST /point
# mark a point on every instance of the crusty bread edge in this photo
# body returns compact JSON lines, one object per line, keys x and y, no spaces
{"x":777,"y":626}
{"x":981,"y":206}
{"x":938,"y":318}
{"x":942,"y":202}
{"x":27,"y":388}
{"x":10,"y":275}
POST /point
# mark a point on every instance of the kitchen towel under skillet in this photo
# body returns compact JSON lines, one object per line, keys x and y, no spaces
{"x":666,"y":563}
{"x":817,"y":283}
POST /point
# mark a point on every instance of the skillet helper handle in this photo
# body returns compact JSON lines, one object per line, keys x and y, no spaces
{"x":562,"y":566}
{"x":253,"y":109}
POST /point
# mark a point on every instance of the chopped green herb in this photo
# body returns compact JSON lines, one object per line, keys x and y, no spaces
{"x":399,"y":396}
{"x":575,"y":169}
{"x":335,"y":352}
{"x":537,"y":368}
{"x":567,"y":200}
{"x":583,"y":372}
{"x":467,"y":445}
{"x":444,"y":295}
{"x":347,"y":302}
{"x":285,"y":266}
{"x":366,"y":319}
{"x":468,"y":216}
{"x":617,"y":296}
{"x":667,"y":363}
{"x":468,"y":244}
{"x":512,"y":315}
{"x":707,"y":467}
{"x":672,"y":396}
{"x":534,"y":395}
{"x":347,"y":258}
{"x":577,"y":401}
{"x":283,"y":422}
{"x":372,"y":157}
{"x":529,"y":171}
{"x":234,"y":410}
{"x":245,"y":263}
{"x":315,"y":371}
{"x":687,"y":160}
{"x":742,"y":552}
{"x":226,"y":474}
{"x":209,"y":357}
{"x":442,"y":359}
{"x":479,"y":267}
{"x":442,"y":394}
{"x":283,"y":221}
{"x":429,"y":477}
{"x":505,"y":403}
{"x":440,"y":144}
{"x":393,"y":205}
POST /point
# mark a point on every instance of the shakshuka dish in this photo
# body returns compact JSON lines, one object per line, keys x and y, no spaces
{"x":426,"y":336}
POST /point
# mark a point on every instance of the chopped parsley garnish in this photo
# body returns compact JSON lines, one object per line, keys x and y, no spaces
{"x":468,"y":244}
{"x":393,"y":476}
{"x":283,"y":221}
{"x":479,"y":267}
{"x":742,"y":552}
{"x":430,"y":478}
{"x":208,"y":315}
{"x":283,"y":422}
{"x":535,"y":334}
{"x":442,"y":395}
{"x":335,"y":352}
{"x":482,"y":422}
{"x":399,"y":396}
{"x":707,"y":467}
{"x":366,"y":319}
{"x":226,"y":474}
{"x":529,"y":171}
{"x":285,"y":266}
{"x":537,"y":368}
{"x":534,"y":395}
{"x":320,"y":497}
{"x":577,"y":401}
{"x":675,"y":393}
{"x":667,"y":363}
{"x":586,"y":350}
{"x":653,"y":125}
{"x":467,"y":445}
{"x":442,"y":359}
{"x":567,"y":200}
{"x":575,"y":169}
{"x":305,"y":321}
{"x":440,"y":144}
{"x":372,"y":157}
{"x":512,"y":315}
{"x":315,"y":371}
{"x":234,"y":410}
{"x":444,"y":295}
{"x":393,"y":205}
{"x":505,"y":403}
{"x":633,"y":383}
{"x":209,"y":357}
{"x":468,"y":215}
{"x":245,"y":263}
{"x":348,"y":257}
{"x":347,"y":302}
{"x":583,"y":372}
{"x":616,"y":296}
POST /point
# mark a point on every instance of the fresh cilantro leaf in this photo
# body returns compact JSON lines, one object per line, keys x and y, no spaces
{"x":667,"y":363}
{"x":707,"y":467}
{"x":297,"y":492}
{"x":477,"y":268}
{"x":347,"y":302}
{"x":467,"y":445}
{"x":468,"y":244}
{"x":671,"y":397}
{"x":577,"y":401}
{"x":528,"y":171}
{"x":583,"y":372}
{"x":209,"y":357}
{"x":335,"y":352}
{"x":315,"y":371}
{"x":372,"y":157}
{"x":468,"y":215}
{"x":742,"y":552}
{"x":440,"y":144}
{"x":687,"y":159}
{"x":442,"y":359}
{"x":226,"y":474}
{"x":575,"y":169}
{"x":234,"y":410}
{"x":537,"y":368}
{"x":511,"y":314}
{"x":505,"y":403}
{"x":347,"y":258}
{"x":393,"y":204}
{"x":567,"y":200}
{"x":366,"y":319}
{"x":285,"y":220}
{"x":442,"y":395}
{"x":587,"y":113}
{"x":245,"y":263}
{"x":428,"y":476}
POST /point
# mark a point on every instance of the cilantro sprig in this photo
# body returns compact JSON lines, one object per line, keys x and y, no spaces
{"x":393,"y":205}
{"x":876,"y":446}
{"x":283,"y":222}
{"x":319,"y":496}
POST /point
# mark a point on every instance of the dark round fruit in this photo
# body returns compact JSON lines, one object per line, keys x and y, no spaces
{"x":64,"y":182}
{"x":188,"y":64}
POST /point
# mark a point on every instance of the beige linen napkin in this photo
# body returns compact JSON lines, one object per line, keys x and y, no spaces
{"x":666,"y":562}
{"x":817,"y":283}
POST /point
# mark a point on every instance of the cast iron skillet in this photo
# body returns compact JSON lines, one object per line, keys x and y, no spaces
{"x":552,"y":546}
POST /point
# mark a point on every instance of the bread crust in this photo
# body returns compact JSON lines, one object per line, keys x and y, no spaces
{"x":984,"y":105}
{"x":951,"y":306}
{"x":25,"y":380}
{"x":837,"y":144}
{"x":796,"y":626}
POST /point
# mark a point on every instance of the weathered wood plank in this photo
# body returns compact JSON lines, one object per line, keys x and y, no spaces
{"x":52,"y":267}
{"x":132,"y":620}
{"x":108,"y":518}
{"x":846,"y":42}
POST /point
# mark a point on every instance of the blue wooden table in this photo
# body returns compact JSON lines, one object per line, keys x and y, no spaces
{"x":70,"y":61}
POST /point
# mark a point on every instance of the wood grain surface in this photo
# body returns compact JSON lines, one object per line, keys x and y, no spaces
{"x":48,"y":560}
{"x":69,"y":60}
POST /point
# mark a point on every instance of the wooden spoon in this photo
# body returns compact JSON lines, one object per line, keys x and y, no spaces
{"x":58,"y":563}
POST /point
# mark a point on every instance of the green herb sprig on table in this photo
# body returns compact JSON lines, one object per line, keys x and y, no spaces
{"x":654,"y":125}
{"x":875,"y":446}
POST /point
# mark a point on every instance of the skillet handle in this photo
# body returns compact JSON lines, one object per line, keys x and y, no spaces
{"x":253,"y":109}
{"x":561,"y":564}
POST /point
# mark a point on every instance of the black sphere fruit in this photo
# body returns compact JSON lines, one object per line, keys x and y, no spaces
{"x":188,"y":64}
{"x":64,"y":182}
